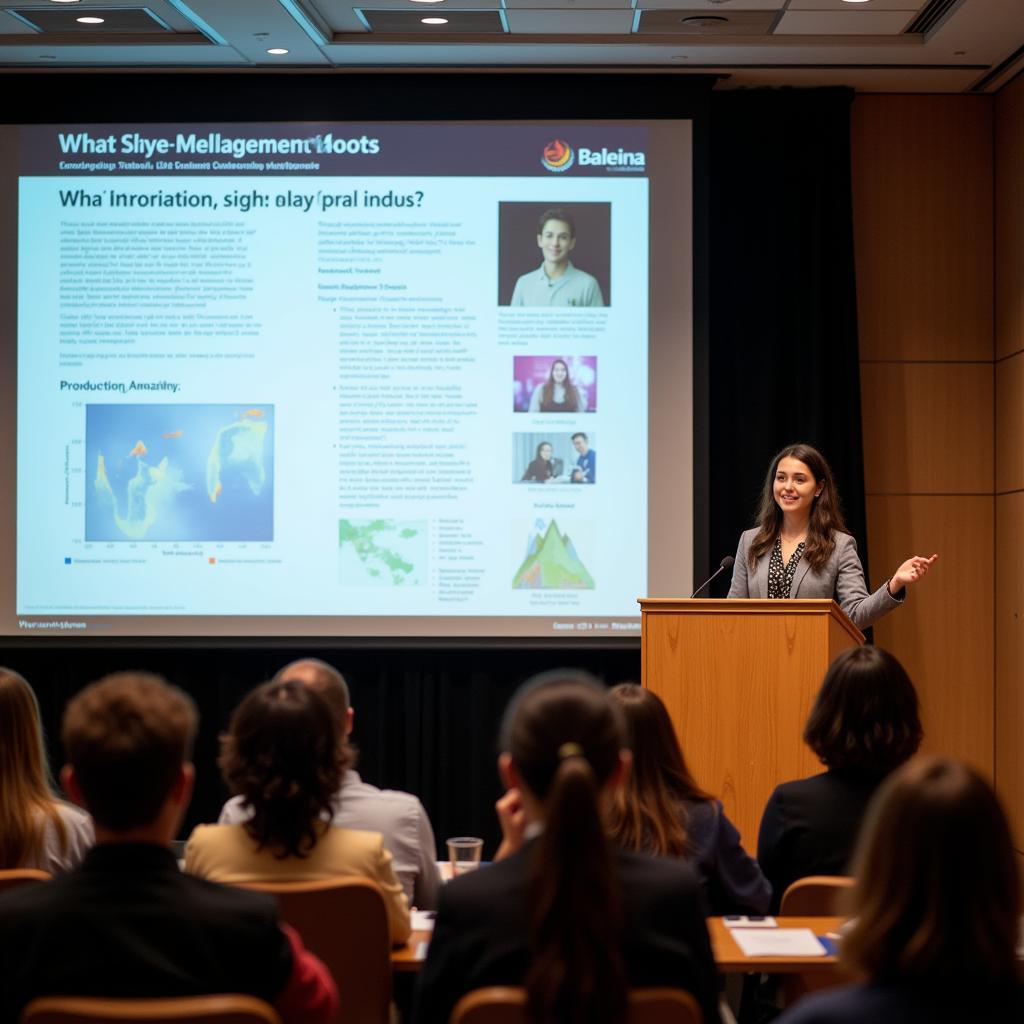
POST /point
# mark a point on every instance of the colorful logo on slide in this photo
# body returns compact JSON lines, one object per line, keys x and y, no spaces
{"x":558,"y":156}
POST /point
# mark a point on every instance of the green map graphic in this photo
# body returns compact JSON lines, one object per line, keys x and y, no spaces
{"x":382,"y":552}
{"x":551,"y":563}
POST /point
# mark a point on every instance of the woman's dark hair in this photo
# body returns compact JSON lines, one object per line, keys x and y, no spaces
{"x":572,"y":396}
{"x":565,"y":739}
{"x":826,"y":514}
{"x":937,"y":899}
{"x":541,"y":445}
{"x":649,"y":812}
{"x":865,"y":716}
{"x":281,"y":755}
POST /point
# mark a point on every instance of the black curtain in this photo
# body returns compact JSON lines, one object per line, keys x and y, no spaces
{"x":426,"y":720}
{"x":783,"y":361}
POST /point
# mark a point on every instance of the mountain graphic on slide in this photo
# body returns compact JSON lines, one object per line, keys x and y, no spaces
{"x":552,"y":564}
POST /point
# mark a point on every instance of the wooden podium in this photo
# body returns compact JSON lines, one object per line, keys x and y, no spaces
{"x":738,"y":678}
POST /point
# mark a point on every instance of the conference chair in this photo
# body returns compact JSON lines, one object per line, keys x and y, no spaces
{"x":501,"y":1004}
{"x":217,"y":1009}
{"x":13,"y":877}
{"x":814,"y":896}
{"x":344,"y":921}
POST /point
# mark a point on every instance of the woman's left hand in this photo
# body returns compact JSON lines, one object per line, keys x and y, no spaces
{"x":910,"y":572}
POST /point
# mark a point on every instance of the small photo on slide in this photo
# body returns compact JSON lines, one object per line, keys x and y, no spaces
{"x":554,"y":458}
{"x":551,"y":554}
{"x":179,"y":472}
{"x":554,"y":254}
{"x":554,"y":384}
{"x":383,"y":552}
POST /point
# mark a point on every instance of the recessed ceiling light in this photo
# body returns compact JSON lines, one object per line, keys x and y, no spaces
{"x":434,"y":21}
{"x":64,"y":1}
{"x":277,"y":51}
{"x":426,"y":1}
{"x":90,"y":21}
{"x":855,"y":1}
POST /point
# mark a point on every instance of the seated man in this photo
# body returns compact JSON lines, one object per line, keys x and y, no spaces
{"x":127,"y":923}
{"x":398,"y":817}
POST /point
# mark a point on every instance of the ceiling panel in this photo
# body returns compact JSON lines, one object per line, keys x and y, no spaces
{"x":712,"y":7}
{"x":700,"y":23}
{"x":844,"y":23}
{"x":567,"y":5}
{"x":843,"y":5}
{"x":570,"y":22}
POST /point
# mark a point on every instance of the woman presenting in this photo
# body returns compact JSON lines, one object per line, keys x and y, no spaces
{"x":800,"y":547}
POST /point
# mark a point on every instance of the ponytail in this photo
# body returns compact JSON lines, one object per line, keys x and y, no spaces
{"x":576,"y":974}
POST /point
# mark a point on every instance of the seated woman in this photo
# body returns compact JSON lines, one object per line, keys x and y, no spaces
{"x":36,"y":829}
{"x":662,"y":811}
{"x":281,"y":756}
{"x":864,"y":723}
{"x":936,"y":908}
{"x":543,"y":469}
{"x":563,"y":913}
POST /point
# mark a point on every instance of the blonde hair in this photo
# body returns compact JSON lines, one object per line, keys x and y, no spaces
{"x":27,"y":802}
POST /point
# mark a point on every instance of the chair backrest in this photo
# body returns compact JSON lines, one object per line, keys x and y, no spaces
{"x":220,"y":1009}
{"x":344,"y":921}
{"x":501,"y":1004}
{"x":14,"y":877}
{"x":814,"y":896}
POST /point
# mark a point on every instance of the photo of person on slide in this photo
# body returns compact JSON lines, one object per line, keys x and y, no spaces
{"x":557,"y":282}
{"x":543,"y":469}
{"x":585,"y":470}
{"x":558,"y":393}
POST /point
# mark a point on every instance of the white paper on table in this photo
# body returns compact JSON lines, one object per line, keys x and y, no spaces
{"x":777,"y":942}
{"x":423,"y":920}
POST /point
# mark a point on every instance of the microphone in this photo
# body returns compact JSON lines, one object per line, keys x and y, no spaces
{"x":726,"y":563}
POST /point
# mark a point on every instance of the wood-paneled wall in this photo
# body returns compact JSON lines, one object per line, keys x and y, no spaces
{"x":923,"y":230}
{"x":1009,"y":451}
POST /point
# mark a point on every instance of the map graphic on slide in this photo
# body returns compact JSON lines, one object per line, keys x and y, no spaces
{"x":179,"y":472}
{"x":551,"y":562}
{"x":382,"y":552}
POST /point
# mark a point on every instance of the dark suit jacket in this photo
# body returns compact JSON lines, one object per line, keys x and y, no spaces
{"x":128,"y":923}
{"x":906,"y":1004}
{"x":481,"y":936}
{"x":810,"y":826}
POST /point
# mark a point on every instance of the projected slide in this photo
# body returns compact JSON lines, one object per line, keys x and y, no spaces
{"x":305,"y":378}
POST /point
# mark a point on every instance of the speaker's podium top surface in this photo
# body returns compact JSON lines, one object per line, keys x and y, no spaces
{"x":750,"y":606}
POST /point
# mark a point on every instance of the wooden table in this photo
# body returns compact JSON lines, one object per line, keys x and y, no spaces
{"x":728,"y":957}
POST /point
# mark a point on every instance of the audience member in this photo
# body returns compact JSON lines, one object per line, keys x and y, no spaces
{"x":564,"y":913}
{"x":935,"y":908}
{"x":127,"y":922}
{"x":864,"y":723}
{"x":281,"y":755}
{"x":398,"y":817}
{"x":36,"y":829}
{"x":662,"y":811}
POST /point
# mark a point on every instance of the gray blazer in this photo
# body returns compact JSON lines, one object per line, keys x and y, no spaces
{"x":842,"y":578}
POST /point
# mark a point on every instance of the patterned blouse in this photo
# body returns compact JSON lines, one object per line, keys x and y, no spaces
{"x":780,"y":577}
